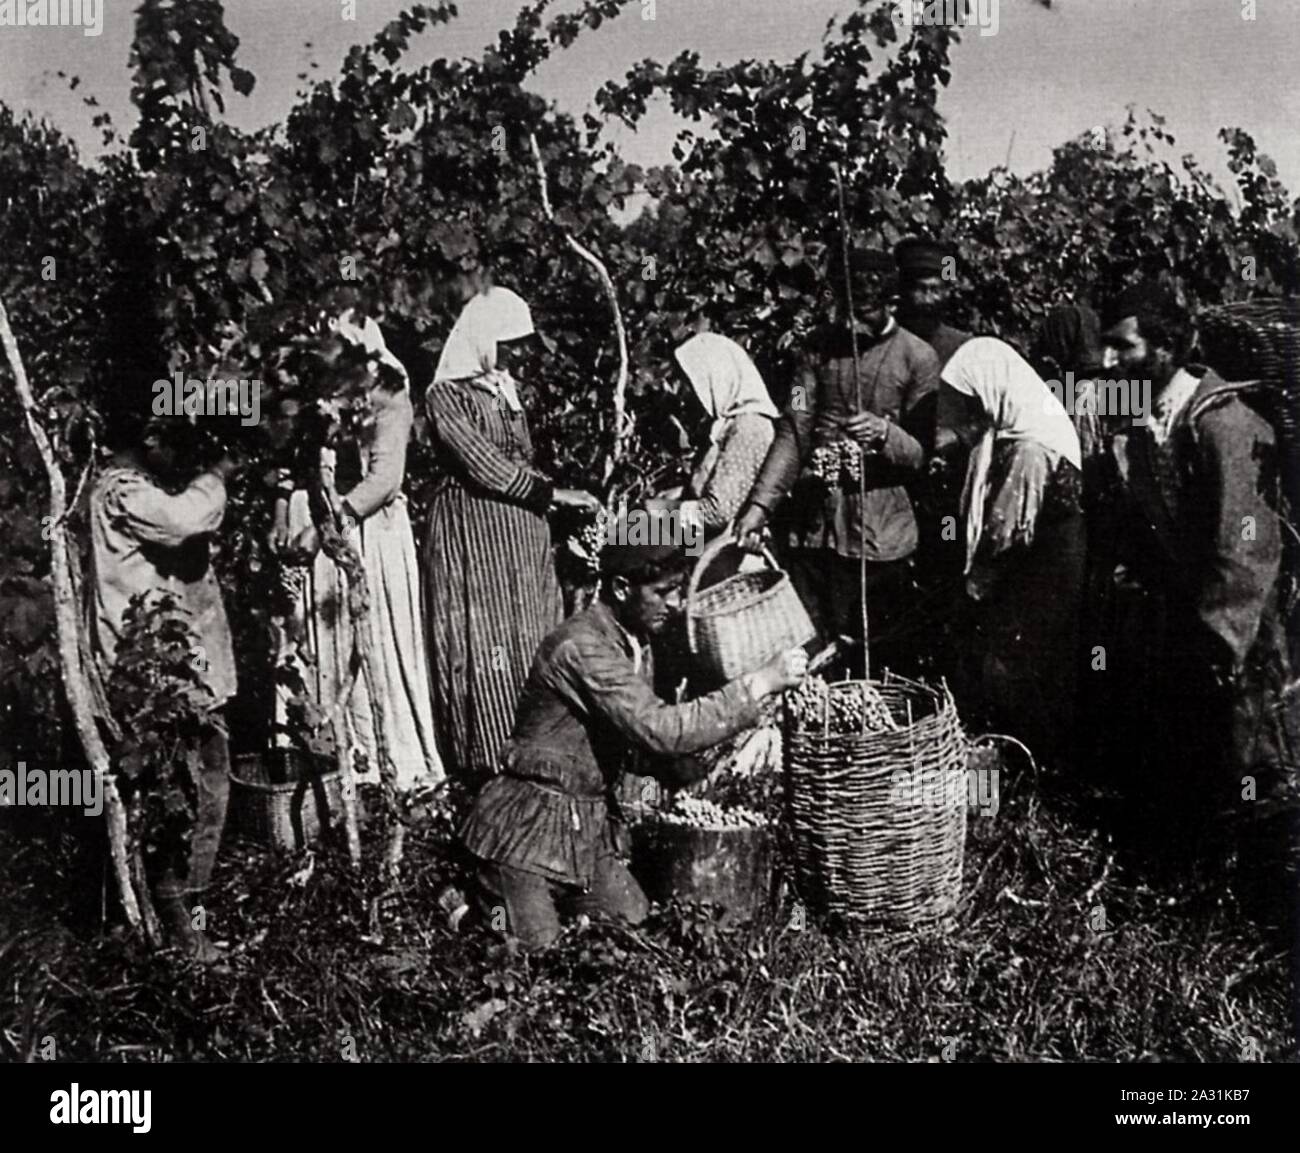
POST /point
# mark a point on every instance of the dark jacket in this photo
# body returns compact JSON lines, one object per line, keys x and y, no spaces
{"x":1210,"y":548}
{"x":897,"y":372}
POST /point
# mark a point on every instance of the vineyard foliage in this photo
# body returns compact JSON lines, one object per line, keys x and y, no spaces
{"x":397,"y":189}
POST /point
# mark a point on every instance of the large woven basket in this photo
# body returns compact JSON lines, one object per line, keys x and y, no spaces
{"x":1254,"y":340}
{"x":283,"y":798}
{"x":879,"y":818}
{"x":744,"y":620}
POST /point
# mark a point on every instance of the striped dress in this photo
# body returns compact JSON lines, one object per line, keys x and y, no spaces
{"x":491,"y":592}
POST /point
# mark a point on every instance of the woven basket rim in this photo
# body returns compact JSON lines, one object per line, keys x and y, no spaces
{"x":704,"y":608}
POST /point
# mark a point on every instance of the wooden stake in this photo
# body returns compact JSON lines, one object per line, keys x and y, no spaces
{"x":66,"y":618}
{"x":857,"y":386}
{"x":621,"y":426}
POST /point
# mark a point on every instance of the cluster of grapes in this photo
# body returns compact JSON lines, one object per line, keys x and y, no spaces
{"x":697,"y":813}
{"x":838,"y":463}
{"x":293,"y":580}
{"x":855,"y":707}
{"x":591,"y":539}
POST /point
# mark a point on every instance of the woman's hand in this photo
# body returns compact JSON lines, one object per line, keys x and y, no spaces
{"x":751,"y":529}
{"x":784,"y":671}
{"x":305,"y":545}
{"x":576,"y":498}
{"x":278,"y":538}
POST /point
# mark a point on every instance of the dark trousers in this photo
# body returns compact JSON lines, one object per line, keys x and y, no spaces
{"x":830,"y":587}
{"x":529,"y":907}
{"x":192,"y":873}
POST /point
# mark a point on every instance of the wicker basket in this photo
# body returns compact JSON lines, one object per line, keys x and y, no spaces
{"x":879,"y":818}
{"x":1254,"y":340}
{"x":743,"y":621}
{"x":282,"y":798}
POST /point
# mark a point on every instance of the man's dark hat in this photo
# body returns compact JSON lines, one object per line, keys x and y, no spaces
{"x":921,"y":256}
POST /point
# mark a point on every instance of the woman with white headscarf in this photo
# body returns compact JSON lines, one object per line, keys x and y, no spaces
{"x":379,"y":527}
{"x":1024,"y":541}
{"x":491,"y":592}
{"x":732,"y":392}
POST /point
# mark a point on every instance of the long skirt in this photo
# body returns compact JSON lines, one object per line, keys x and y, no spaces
{"x":1021,"y":645}
{"x":401,"y":669}
{"x":491,"y":597}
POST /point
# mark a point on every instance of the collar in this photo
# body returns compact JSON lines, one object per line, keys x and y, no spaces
{"x":610,"y":624}
{"x":1170,"y":404}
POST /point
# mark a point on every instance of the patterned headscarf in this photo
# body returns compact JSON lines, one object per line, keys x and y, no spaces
{"x":725,"y":380}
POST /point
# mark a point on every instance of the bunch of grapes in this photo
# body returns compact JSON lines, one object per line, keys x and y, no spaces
{"x":591,"y":539}
{"x":293,"y":580}
{"x":826,"y":463}
{"x":854,"y":707}
{"x":839,"y":463}
{"x":696,"y":813}
{"x":851,"y":461}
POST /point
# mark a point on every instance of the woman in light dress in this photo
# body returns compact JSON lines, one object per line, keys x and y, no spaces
{"x":379,"y":527}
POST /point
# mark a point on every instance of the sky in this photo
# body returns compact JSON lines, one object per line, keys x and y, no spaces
{"x":1042,"y":78}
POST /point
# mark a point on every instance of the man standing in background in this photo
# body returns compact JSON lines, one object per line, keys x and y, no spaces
{"x":842,"y":417}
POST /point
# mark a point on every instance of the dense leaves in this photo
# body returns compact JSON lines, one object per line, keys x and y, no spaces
{"x":400,"y":189}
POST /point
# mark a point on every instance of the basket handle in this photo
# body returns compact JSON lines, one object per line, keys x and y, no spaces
{"x":707,"y":557}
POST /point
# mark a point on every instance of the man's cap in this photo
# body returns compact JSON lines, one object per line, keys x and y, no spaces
{"x":921,"y":256}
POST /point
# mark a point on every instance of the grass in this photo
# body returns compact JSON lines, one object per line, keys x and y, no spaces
{"x":1023,"y":975}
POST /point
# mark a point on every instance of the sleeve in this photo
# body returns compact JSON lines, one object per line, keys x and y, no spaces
{"x":612,"y":689}
{"x":481,"y":460}
{"x":905,"y":439}
{"x":387,"y":460}
{"x":793,"y":443}
{"x":1017,"y":484}
{"x":742,"y":456}
{"x":147,"y":513}
{"x":1237,"y":457}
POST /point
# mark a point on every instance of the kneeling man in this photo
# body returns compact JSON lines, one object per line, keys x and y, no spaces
{"x":547,"y":833}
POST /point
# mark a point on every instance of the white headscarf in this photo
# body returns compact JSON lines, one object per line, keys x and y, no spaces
{"x":725,"y":380}
{"x":369,"y":337}
{"x":471,"y":349}
{"x":1018,"y":406}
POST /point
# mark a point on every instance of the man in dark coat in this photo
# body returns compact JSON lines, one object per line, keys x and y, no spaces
{"x":1201,"y":546}
{"x":878,"y":411}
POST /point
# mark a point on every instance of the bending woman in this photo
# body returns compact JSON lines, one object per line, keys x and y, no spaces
{"x":490,"y":585}
{"x":732,"y":392}
{"x":1024,"y":543}
{"x":379,"y":527}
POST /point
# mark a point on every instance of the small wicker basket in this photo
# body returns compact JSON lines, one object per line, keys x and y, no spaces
{"x":744,"y":620}
{"x":879,"y":817}
{"x":283,"y":798}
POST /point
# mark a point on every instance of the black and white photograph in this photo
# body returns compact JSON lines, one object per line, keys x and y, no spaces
{"x":730,"y":532}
